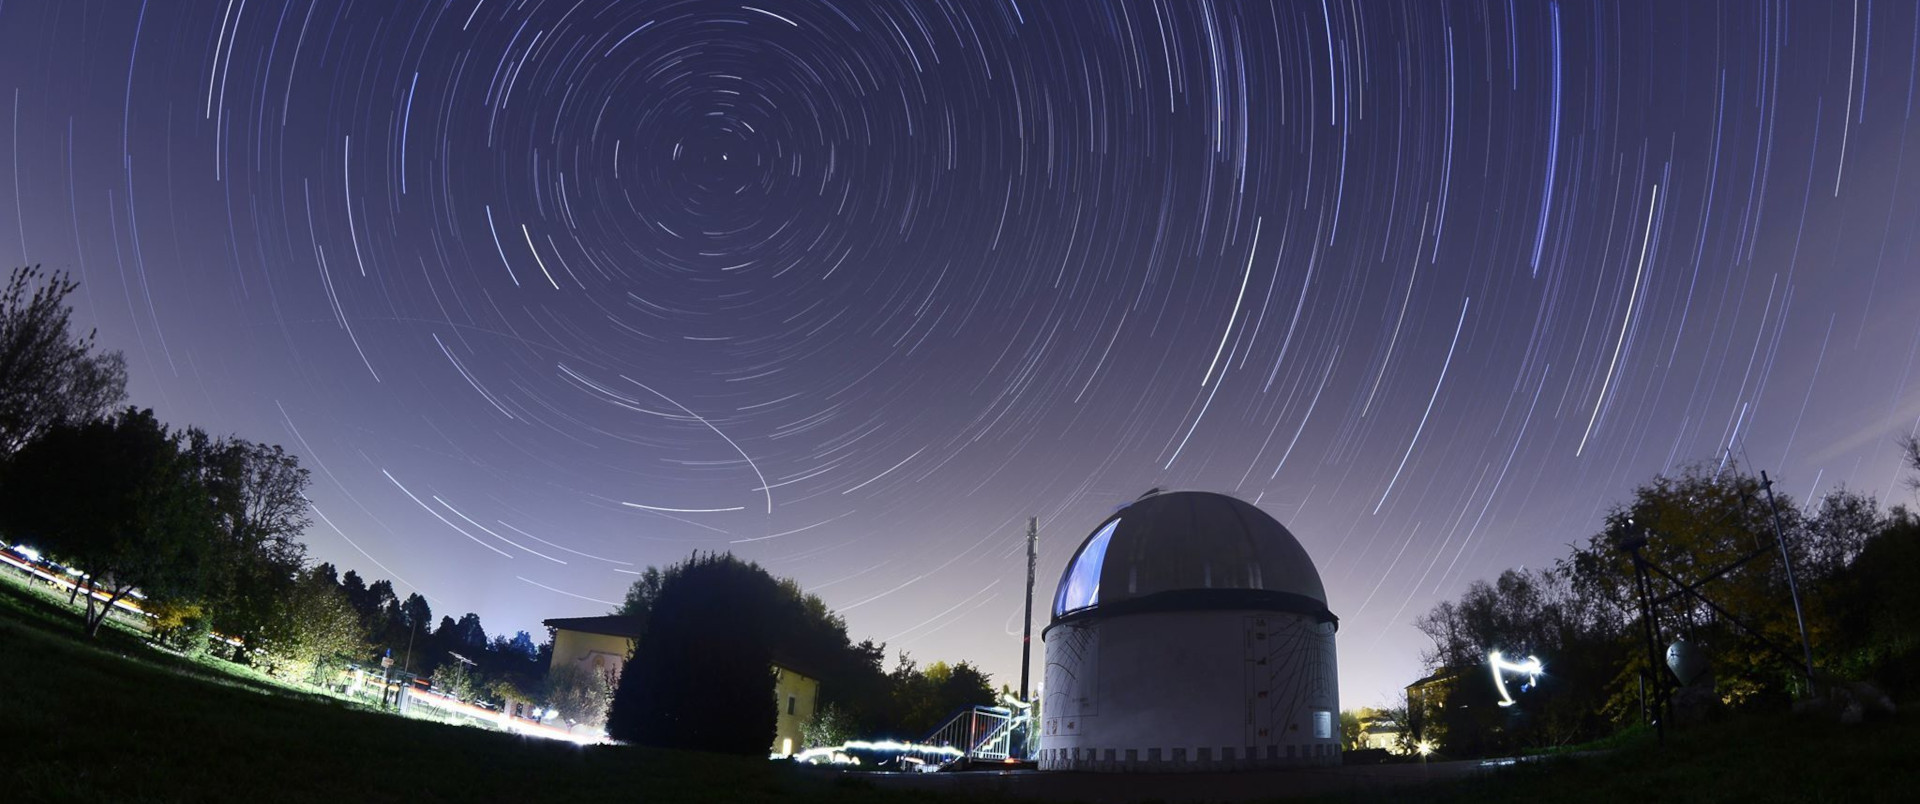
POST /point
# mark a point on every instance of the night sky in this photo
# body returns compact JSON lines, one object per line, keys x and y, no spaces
{"x":544,"y":292}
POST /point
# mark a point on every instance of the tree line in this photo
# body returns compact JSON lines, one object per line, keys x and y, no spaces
{"x":206,"y":530}
{"x":1857,"y":570}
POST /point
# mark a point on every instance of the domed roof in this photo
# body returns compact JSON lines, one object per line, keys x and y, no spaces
{"x":1187,"y":550}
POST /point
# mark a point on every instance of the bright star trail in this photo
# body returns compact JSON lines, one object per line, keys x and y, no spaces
{"x":854,"y":289}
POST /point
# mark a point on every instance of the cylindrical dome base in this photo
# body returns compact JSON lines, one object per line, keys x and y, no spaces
{"x":1209,"y":690}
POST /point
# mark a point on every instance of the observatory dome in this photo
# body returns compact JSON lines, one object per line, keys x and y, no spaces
{"x":1190,"y":632}
{"x":1158,"y":551}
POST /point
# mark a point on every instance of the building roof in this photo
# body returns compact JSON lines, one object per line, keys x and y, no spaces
{"x":1441,"y":675}
{"x":1189,"y":550}
{"x":619,"y":625}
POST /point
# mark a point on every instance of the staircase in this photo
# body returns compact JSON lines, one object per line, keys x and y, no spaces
{"x":983,"y":734}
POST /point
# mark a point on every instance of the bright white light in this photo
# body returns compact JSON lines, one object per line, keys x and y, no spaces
{"x":1531,"y":667}
{"x":883,"y":745}
{"x":30,"y":553}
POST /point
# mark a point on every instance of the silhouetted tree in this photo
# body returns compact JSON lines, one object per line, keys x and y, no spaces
{"x":468,"y":636}
{"x":1910,"y":454}
{"x":643,"y":591}
{"x":923,"y":699}
{"x":116,"y":499}
{"x":701,"y":677}
{"x":521,"y":647}
{"x":1857,"y":577}
{"x":411,"y":633}
{"x":49,"y":375}
{"x":856,"y":687}
{"x":381,"y":603}
{"x":1876,"y":635}
{"x":257,"y":493}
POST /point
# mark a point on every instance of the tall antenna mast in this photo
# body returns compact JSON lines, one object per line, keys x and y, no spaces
{"x":1026,"y":634}
{"x":1793,"y":588}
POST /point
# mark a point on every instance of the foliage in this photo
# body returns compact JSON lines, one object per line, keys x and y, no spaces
{"x":180,"y":625}
{"x":1399,"y":713}
{"x":644,"y":590}
{"x":313,"y":628}
{"x":1910,"y":454}
{"x":374,"y":603}
{"x":855,"y":685}
{"x":925,"y":699}
{"x":701,"y":678}
{"x":206,"y":528}
{"x":49,"y":375}
{"x":457,"y":679}
{"x":258,"y":501}
{"x":116,"y":499}
{"x":581,"y":694}
{"x":1876,"y":635}
{"x":759,"y":615}
{"x":829,"y":726}
{"x":467,"y":636}
{"x":1710,"y":528}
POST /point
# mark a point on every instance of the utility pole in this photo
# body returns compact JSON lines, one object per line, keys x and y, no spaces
{"x":410,"y":633}
{"x":1026,"y":634}
{"x":1793,"y":587}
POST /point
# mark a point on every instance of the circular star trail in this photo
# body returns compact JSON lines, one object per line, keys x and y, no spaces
{"x":546,"y":292}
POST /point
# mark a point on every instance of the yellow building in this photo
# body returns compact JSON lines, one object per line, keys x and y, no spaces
{"x":795,"y":694}
{"x":603,"y":645}
{"x":595,"y":643}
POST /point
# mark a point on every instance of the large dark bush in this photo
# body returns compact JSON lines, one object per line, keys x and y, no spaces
{"x":1877,"y":636}
{"x":701,"y":678}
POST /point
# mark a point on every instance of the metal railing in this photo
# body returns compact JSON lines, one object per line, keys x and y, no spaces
{"x":980,"y":732}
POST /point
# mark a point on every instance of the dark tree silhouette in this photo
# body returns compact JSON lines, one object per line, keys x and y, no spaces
{"x":116,"y":499}
{"x":1876,"y":635}
{"x":49,"y":376}
{"x":641,"y":594}
{"x":701,"y":678}
{"x":1910,"y":454}
{"x":924,"y":698}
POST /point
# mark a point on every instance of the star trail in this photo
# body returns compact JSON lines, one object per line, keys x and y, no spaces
{"x":545,"y":291}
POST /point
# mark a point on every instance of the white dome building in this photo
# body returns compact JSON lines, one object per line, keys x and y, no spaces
{"x":1190,"y":633}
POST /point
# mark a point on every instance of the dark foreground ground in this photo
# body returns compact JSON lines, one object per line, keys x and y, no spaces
{"x":114,"y":721}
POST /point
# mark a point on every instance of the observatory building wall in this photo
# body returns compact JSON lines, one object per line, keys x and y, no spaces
{"x":1190,"y":691}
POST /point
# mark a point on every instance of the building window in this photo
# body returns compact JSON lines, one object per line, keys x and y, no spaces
{"x":1322,"y":724}
{"x":792,"y":704}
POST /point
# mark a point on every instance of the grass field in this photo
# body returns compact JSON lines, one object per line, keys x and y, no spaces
{"x":1781,"y":758}
{"x":114,"y":720}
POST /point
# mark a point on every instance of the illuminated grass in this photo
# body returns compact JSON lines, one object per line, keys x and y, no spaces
{"x":116,"y":721}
